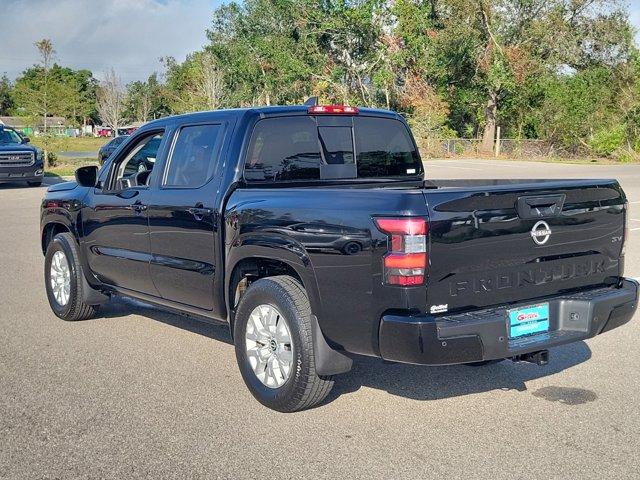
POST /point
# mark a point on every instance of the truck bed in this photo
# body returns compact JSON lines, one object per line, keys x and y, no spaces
{"x":481,"y":252}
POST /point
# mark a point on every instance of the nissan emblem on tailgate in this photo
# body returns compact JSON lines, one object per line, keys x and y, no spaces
{"x":541,"y":232}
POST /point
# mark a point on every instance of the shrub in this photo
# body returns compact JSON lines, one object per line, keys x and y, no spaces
{"x":607,"y":141}
{"x":52,"y":159}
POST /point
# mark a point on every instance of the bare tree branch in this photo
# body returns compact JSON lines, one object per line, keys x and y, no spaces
{"x":111,"y":100}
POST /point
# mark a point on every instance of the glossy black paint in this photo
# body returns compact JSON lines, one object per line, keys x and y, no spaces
{"x":482,"y":252}
{"x":184,"y":248}
{"x":482,"y":335}
{"x":87,"y":176}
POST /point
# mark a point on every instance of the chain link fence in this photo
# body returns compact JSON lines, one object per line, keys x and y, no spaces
{"x":509,"y":147}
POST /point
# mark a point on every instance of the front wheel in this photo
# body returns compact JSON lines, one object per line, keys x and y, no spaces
{"x":274,"y":346}
{"x":63,"y":279}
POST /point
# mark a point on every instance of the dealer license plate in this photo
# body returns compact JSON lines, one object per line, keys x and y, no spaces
{"x":528,"y":320}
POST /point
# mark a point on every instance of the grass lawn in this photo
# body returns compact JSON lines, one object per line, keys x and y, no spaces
{"x":66,"y":167}
{"x":69,"y":144}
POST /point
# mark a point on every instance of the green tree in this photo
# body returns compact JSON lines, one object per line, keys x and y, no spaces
{"x":36,"y":95}
{"x":6,"y":95}
{"x":267,"y":50}
{"x":484,"y":56}
{"x":146,"y":100}
{"x":198,"y":83}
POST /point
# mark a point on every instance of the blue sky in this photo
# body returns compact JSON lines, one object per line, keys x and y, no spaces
{"x":128,"y":35}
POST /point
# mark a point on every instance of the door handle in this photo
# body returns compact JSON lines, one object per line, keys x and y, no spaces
{"x":199,"y":211}
{"x":138,"y":207}
{"x":543,"y":206}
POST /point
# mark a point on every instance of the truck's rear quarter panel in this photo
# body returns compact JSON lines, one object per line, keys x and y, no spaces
{"x":340,"y":251}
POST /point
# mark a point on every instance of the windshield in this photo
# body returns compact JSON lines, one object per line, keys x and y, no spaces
{"x":9,"y":136}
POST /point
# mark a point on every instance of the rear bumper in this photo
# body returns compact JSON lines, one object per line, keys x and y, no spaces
{"x":31,"y":173}
{"x":482,"y":335}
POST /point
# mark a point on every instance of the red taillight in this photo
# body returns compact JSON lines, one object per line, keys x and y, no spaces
{"x":333,"y":110}
{"x":406,"y":262}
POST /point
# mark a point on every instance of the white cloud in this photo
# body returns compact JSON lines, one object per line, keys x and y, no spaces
{"x":128,"y":35}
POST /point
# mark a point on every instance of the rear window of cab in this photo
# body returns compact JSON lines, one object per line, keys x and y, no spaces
{"x":302,"y":148}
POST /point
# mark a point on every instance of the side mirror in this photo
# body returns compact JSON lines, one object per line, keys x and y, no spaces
{"x":26,"y":139}
{"x":87,"y":176}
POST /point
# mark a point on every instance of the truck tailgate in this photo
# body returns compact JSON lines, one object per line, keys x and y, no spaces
{"x":500,"y":242}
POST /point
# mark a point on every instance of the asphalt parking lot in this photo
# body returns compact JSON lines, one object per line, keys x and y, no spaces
{"x":139,"y":392}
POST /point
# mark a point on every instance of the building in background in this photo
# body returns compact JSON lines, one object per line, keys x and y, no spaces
{"x":57,"y":126}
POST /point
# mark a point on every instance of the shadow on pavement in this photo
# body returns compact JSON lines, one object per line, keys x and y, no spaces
{"x":53,"y":179}
{"x":409,"y":381}
{"x":434,"y":383}
{"x":121,"y":307}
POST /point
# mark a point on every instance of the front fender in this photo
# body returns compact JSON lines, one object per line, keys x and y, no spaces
{"x":66,"y":212}
{"x":57,"y":216}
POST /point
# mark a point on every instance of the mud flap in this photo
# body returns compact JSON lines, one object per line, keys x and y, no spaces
{"x":90,"y":295}
{"x":328,"y":360}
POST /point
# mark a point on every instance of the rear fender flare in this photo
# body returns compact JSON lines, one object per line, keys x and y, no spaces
{"x":279,"y":249}
{"x":328,"y":360}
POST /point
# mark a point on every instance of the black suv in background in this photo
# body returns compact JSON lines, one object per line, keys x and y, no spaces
{"x":19,"y":162}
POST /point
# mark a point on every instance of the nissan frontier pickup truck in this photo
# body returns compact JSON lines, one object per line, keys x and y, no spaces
{"x":313,"y":233}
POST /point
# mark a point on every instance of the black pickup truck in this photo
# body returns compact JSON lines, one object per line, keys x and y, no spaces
{"x":312,"y":232}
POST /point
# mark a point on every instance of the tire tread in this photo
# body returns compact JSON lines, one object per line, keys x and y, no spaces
{"x":311,"y":388}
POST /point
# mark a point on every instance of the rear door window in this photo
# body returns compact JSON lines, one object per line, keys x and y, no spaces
{"x":283,"y":149}
{"x":194,"y":156}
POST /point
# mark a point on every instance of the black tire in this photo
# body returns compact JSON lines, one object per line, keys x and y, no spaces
{"x":34,"y":184}
{"x":75,"y":308}
{"x":304,"y":388}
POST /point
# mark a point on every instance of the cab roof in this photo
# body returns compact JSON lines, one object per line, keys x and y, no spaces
{"x":263,"y":112}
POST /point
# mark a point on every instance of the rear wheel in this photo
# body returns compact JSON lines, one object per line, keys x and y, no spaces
{"x":274,"y":346}
{"x":63,"y":279}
